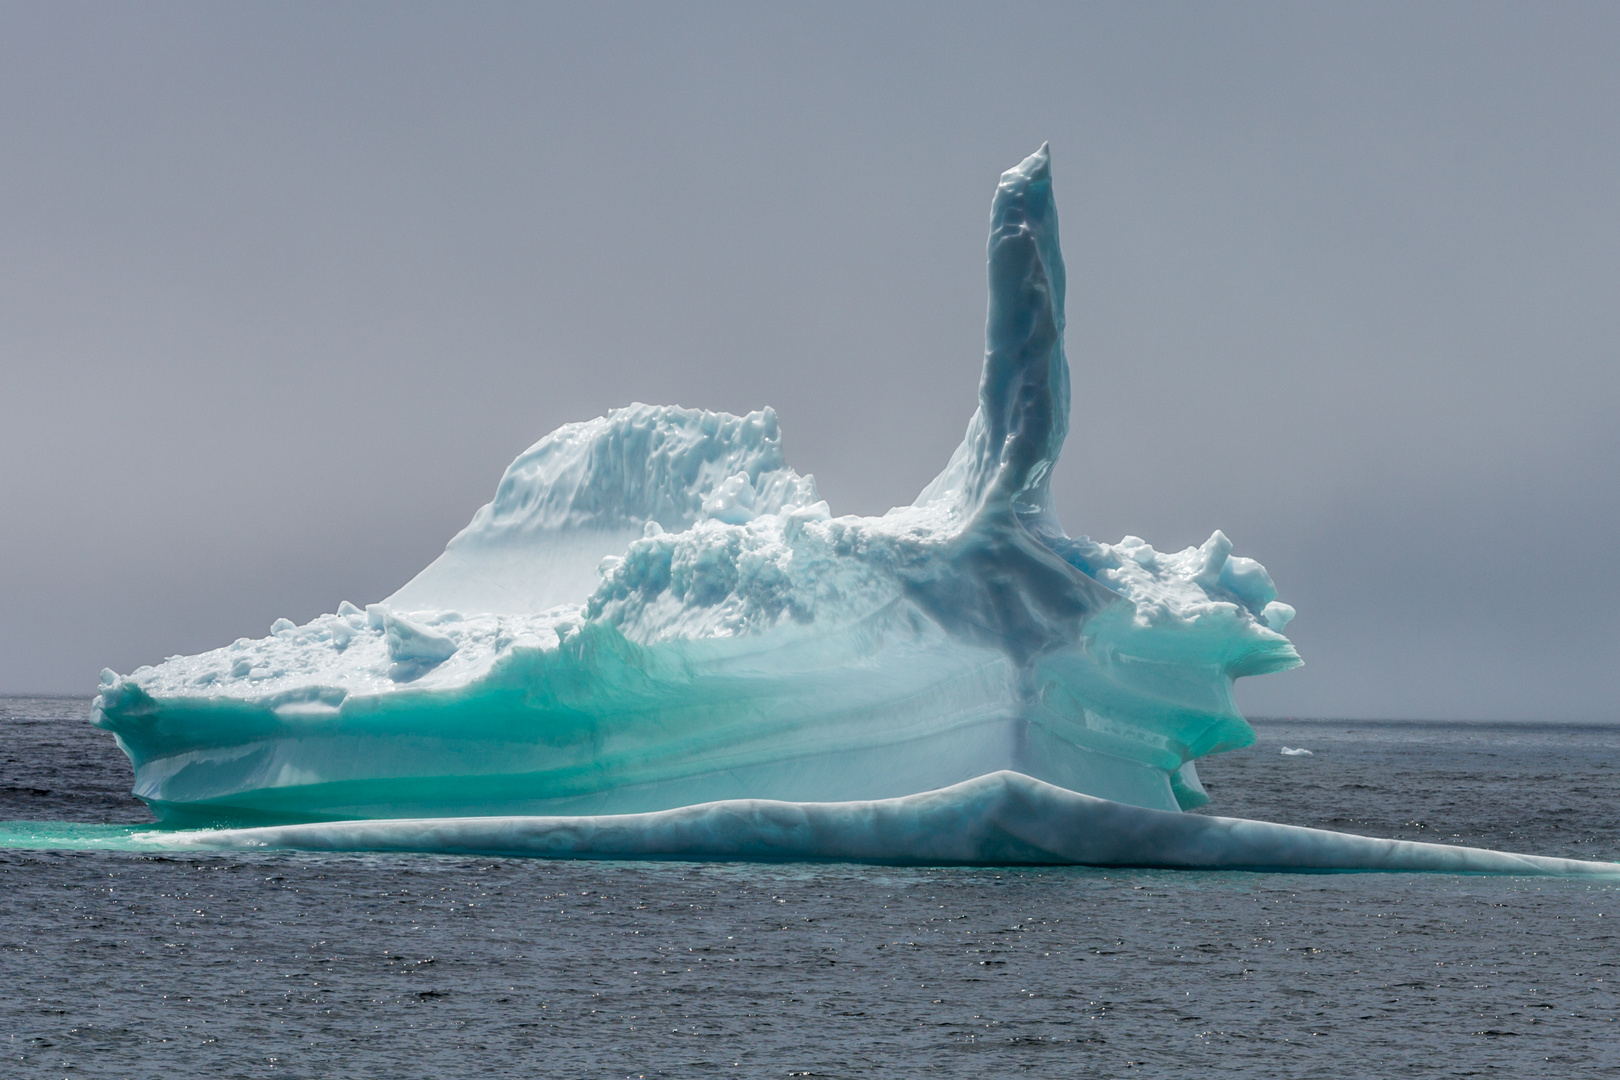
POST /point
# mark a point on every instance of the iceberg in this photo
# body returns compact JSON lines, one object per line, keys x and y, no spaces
{"x":656,"y":639}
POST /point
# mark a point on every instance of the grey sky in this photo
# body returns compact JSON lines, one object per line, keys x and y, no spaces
{"x":283,"y":288}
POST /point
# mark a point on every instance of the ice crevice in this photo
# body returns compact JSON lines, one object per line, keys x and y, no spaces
{"x":657,"y":639}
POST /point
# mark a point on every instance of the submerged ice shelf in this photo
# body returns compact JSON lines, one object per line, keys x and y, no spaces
{"x":1001,"y":818}
{"x":655,"y":611}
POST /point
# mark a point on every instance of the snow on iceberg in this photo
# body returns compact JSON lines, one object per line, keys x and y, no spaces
{"x":655,"y":614}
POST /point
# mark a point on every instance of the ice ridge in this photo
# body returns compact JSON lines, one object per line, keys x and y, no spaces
{"x":586,"y":490}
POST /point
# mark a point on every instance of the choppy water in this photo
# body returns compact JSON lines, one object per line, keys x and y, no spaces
{"x":121,"y":965}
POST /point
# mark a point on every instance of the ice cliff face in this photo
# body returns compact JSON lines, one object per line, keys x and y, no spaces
{"x":655,"y":610}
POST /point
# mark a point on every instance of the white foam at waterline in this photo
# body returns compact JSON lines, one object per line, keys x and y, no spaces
{"x":1002,"y":818}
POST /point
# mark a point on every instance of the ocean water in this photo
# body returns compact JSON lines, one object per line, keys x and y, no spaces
{"x":247,"y":965}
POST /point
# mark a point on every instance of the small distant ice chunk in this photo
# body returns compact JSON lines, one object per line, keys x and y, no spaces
{"x":282,"y":626}
{"x":413,"y":648}
{"x":342,"y":633}
{"x":1249,"y":582}
{"x":1138,"y":551}
{"x":1295,"y":751}
{"x":1277,"y":615}
{"x":1213,"y":555}
{"x":410,"y":641}
{"x":732,"y":502}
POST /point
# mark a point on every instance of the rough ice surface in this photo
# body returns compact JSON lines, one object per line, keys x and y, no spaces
{"x":655,"y":613}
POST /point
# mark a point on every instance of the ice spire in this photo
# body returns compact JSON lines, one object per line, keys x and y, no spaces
{"x":1003,"y":580}
{"x":1016,"y":434}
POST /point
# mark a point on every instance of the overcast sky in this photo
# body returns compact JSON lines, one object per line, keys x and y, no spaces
{"x":284,"y":287}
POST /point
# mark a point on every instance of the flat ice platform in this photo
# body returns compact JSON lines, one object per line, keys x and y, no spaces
{"x":1002,"y":818}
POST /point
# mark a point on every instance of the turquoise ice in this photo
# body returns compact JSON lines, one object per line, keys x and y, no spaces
{"x":656,"y":639}
{"x":656,"y":611}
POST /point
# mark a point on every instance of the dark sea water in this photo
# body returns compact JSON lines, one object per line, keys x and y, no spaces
{"x":247,"y":965}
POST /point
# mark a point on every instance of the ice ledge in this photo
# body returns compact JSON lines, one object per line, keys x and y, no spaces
{"x":1003,"y":818}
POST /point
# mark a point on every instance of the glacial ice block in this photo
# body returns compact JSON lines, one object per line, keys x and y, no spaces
{"x":655,"y":611}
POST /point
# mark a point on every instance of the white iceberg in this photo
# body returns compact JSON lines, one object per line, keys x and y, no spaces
{"x":655,"y":612}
